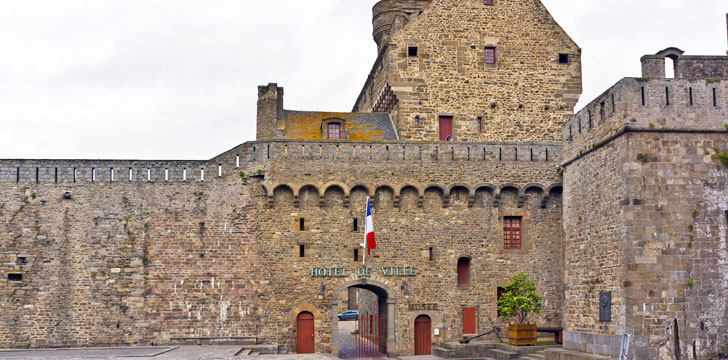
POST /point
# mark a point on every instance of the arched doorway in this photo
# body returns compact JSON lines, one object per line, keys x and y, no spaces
{"x":305,"y":341}
{"x":369,"y":334}
{"x":423,"y":336}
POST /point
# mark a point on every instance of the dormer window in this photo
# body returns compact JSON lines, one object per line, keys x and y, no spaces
{"x":333,"y":131}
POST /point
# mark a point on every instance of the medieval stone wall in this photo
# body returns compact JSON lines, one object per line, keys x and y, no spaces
{"x":525,"y":96}
{"x":96,"y":262}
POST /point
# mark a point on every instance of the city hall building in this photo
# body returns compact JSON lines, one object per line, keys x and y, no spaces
{"x":465,"y":140}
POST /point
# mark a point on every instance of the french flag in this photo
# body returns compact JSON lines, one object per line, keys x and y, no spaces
{"x":369,"y":231}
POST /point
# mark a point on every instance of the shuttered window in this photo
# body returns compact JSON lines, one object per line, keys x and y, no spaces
{"x":512,"y":232}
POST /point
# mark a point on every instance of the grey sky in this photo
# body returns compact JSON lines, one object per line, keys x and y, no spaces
{"x":177,"y":79}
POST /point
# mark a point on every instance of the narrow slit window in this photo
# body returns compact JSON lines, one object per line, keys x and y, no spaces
{"x":601,"y":111}
{"x":490,"y":55}
{"x":412,"y":51}
{"x":356,"y":254}
{"x":17,"y":174}
{"x":184,"y":174}
{"x":642,"y":90}
{"x":111,"y":174}
{"x":149,"y":174}
{"x":547,"y":154}
{"x":715,"y":97}
{"x":237,"y":161}
{"x":667,"y":96}
{"x":219,"y":170}
{"x":579,"y":122}
{"x":480,"y":124}
{"x":74,"y":174}
{"x":690,"y":95}
{"x":166,"y":174}
{"x":614,"y":105}
{"x":131,"y":174}
{"x":417,"y":120}
{"x":37,"y":174}
{"x":56,"y":175}
{"x":301,"y":251}
{"x":93,"y":174}
{"x":500,"y":154}
{"x":355,"y":228}
{"x":432,"y":253}
{"x":589,"y":115}
{"x":301,"y":224}
{"x":202,"y":174}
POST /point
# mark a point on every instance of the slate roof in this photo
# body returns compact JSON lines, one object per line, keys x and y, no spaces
{"x":306,"y":125}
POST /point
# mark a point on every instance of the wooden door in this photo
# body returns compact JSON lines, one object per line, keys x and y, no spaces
{"x":304,"y":333}
{"x":423,"y":338}
{"x":469,"y":321}
{"x":445,"y":127}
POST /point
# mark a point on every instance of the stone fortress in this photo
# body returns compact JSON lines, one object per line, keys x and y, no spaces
{"x":464,"y":136}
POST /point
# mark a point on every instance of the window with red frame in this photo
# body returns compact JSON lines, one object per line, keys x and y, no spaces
{"x":512,"y":232}
{"x":488,"y":2}
{"x":490,"y":55}
{"x":333,"y":131}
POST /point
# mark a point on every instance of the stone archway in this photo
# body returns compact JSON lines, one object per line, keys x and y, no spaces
{"x":386,"y":307}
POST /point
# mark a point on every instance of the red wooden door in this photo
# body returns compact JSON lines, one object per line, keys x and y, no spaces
{"x":469,"y":321}
{"x":445,"y":127}
{"x":304,"y":333}
{"x":423,"y":339}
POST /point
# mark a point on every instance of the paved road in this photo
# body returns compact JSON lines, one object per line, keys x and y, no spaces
{"x":136,"y":353}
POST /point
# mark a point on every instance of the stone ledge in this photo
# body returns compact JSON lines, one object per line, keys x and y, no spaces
{"x":562,"y":354}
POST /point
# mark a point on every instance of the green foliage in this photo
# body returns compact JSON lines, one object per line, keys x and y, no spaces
{"x":690,"y":245}
{"x":33,"y":196}
{"x":642,"y":158}
{"x":723,"y":158}
{"x":652,"y":125}
{"x":560,"y":171}
{"x":144,"y":260}
{"x":726,"y":126}
{"x":695,"y":213}
{"x":520,"y":299}
{"x":198,"y":195}
{"x":243,"y":177}
{"x":202,"y":256}
{"x":691,"y":282}
{"x":691,"y":228}
{"x":711,"y":81}
{"x":643,"y":79}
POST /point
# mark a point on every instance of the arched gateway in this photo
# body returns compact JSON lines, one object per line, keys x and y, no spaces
{"x":386,"y":309}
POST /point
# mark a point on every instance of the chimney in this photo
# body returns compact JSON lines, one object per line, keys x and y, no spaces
{"x":270,"y":111}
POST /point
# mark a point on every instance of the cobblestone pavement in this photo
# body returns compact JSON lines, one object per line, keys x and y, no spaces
{"x":136,"y":353}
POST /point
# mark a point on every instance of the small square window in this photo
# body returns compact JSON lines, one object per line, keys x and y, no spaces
{"x":487,"y":2}
{"x":412,"y":51}
{"x":563,"y":58}
{"x":15,"y":277}
{"x":417,"y":120}
{"x":490,"y":55}
{"x":21,"y":261}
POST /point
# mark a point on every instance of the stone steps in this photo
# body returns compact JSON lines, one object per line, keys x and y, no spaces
{"x":535,"y":356}
{"x":500,"y":354}
{"x":238,"y":340}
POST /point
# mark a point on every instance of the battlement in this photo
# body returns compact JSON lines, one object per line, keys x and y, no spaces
{"x":651,"y":105}
{"x":258,"y":155}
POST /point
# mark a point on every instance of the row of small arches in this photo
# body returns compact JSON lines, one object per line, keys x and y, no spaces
{"x":334,"y":195}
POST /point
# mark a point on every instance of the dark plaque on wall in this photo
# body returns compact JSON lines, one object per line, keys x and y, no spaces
{"x":605,"y":307}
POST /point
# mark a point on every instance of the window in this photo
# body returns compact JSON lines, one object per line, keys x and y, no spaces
{"x":412,"y":51}
{"x":690,"y":94}
{"x":490,"y":55}
{"x":301,"y":251}
{"x":463,"y":271}
{"x":563,"y":58}
{"x":356,"y":254}
{"x":333,"y":131}
{"x":21,"y":261}
{"x":487,"y":2}
{"x":480,"y":124}
{"x":501,"y":291}
{"x":417,"y":120}
{"x":512,"y":232}
{"x":301,"y":224}
{"x":715,"y":97}
{"x":15,"y":277}
{"x":355,"y":228}
{"x":432,"y":250}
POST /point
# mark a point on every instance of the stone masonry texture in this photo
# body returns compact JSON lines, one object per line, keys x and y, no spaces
{"x":627,"y":196}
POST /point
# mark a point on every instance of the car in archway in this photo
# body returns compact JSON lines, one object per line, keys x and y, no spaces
{"x":349,"y":315}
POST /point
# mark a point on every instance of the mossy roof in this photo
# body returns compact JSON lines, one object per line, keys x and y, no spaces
{"x":306,"y":125}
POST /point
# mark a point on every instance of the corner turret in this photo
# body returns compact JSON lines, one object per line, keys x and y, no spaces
{"x":270,"y":112}
{"x":390,"y":15}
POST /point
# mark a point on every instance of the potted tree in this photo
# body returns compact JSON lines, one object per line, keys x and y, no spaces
{"x":518,"y":300}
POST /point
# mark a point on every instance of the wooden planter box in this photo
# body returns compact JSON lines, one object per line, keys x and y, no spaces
{"x":525,"y":334}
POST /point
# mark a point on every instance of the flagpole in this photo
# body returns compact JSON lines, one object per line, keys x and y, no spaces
{"x":364,"y":244}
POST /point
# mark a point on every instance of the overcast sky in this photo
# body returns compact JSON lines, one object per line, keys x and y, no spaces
{"x":177,"y":79}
